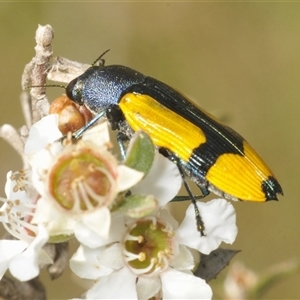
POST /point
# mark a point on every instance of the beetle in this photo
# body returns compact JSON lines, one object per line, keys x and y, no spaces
{"x":211,"y":154}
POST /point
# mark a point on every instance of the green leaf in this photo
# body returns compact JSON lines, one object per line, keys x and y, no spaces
{"x":60,"y":238}
{"x":140,"y":153}
{"x":137,"y":206}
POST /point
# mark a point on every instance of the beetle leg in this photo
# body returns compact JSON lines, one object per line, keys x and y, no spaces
{"x":78,"y":134}
{"x":121,"y":138}
{"x":199,"y":221}
{"x":176,"y":160}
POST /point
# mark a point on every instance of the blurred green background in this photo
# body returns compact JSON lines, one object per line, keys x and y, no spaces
{"x":240,"y":61}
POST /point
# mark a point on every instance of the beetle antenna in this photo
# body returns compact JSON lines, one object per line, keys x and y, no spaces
{"x":100,"y":61}
{"x":45,"y":86}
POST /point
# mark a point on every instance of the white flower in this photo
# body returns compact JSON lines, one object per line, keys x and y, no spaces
{"x":143,"y":257}
{"x":240,"y":281}
{"x":163,"y":181}
{"x":219,"y":218}
{"x":156,"y":183}
{"x":41,"y":134}
{"x":23,"y":256}
{"x":170,"y":276}
{"x":77,"y":182}
{"x":148,"y":262}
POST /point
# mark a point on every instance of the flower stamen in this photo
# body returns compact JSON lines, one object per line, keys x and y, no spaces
{"x":16,"y":220}
{"x":82,"y":179}
{"x":148,"y":246}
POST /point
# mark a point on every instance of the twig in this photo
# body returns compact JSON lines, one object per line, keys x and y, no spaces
{"x":35,"y":73}
{"x":11,"y":289}
{"x":64,"y":70}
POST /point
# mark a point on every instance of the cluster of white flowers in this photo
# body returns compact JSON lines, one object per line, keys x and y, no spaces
{"x":78,"y":190}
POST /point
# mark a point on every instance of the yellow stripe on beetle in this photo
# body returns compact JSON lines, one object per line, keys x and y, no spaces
{"x":236,"y":175}
{"x":166,"y":128}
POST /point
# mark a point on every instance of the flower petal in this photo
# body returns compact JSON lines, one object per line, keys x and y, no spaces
{"x":219,"y":220}
{"x":148,"y":287}
{"x":180,"y":285}
{"x":92,"y":239}
{"x":25,"y":266}
{"x":98,"y":134}
{"x":163,"y":181}
{"x":128,"y":177}
{"x":85,"y":264}
{"x":184,"y":260}
{"x":58,"y":222}
{"x":42,"y":133}
{"x":9,"y":249}
{"x":167,"y":217}
{"x":9,"y":186}
{"x":118,"y":285}
{"x":97,"y":221}
{"x":111,"y":256}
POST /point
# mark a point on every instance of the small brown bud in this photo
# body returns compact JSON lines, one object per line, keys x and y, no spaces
{"x":71,"y":115}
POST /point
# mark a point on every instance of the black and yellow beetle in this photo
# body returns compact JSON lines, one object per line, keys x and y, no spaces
{"x":212,"y":155}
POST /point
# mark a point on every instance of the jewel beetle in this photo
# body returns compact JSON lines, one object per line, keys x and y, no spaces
{"x":212,"y":155}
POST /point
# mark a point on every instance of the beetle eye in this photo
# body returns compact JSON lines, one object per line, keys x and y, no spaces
{"x":70,"y":87}
{"x":73,"y":91}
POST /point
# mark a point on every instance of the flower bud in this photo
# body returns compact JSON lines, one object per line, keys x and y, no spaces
{"x":71,"y":115}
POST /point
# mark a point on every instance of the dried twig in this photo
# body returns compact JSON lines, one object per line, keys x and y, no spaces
{"x":11,"y":289}
{"x":35,"y":73}
{"x":65,"y":70}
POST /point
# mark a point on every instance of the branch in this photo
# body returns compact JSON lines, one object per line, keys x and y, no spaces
{"x":65,"y":70}
{"x":35,"y":72}
{"x":11,"y":289}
